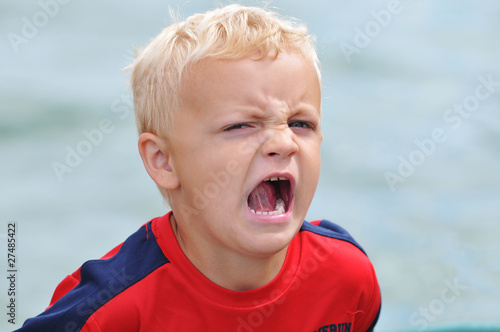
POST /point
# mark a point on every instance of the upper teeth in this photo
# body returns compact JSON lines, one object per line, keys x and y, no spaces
{"x":275,"y":178}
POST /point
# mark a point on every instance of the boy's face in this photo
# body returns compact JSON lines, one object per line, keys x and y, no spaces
{"x":245,"y":147}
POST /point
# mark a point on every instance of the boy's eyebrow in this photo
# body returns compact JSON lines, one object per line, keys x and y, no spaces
{"x":306,"y":109}
{"x":290,"y":111}
{"x":261,"y":110}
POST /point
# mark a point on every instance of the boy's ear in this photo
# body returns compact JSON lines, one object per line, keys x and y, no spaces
{"x":156,"y":158}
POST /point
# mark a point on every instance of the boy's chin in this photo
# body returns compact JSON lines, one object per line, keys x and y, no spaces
{"x":268,"y":247}
{"x":268,"y":237}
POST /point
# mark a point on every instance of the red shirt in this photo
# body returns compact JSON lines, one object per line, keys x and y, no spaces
{"x":327,"y":283}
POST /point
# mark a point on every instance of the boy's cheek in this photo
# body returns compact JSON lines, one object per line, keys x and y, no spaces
{"x":247,"y":147}
{"x":233,"y":168}
{"x":253,"y":143}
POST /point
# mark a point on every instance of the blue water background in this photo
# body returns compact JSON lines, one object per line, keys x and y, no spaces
{"x":439,"y":225}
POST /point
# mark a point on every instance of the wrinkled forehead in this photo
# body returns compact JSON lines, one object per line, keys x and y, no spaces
{"x":231,"y":70}
{"x":289,"y":80}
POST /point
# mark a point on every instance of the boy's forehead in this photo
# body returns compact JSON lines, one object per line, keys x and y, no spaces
{"x":218,"y":86}
{"x":219,"y":70}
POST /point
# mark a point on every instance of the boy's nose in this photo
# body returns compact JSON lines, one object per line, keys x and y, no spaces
{"x":279,"y":142}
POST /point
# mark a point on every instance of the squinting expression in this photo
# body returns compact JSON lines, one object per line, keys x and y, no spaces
{"x":245,"y":146}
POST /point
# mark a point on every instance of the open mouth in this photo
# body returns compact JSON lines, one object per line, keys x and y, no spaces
{"x":271,"y":197}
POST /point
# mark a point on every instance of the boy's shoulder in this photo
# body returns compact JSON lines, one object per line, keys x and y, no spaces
{"x":333,"y":250}
{"x":329,"y":230}
{"x":98,"y":281}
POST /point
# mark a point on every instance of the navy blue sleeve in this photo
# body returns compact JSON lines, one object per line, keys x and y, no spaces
{"x":331,"y":230}
{"x":101,"y":280}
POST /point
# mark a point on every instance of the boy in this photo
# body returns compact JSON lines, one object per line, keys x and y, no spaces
{"x":228,"y":111}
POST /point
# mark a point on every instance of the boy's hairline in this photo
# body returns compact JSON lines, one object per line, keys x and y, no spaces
{"x":180,"y":31}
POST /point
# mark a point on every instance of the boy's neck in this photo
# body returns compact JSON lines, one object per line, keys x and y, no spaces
{"x":230,"y":270}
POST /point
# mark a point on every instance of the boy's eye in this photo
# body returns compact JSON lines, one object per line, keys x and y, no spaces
{"x":236,"y":126}
{"x":300,"y":124}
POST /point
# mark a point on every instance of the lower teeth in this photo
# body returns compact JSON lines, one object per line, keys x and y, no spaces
{"x":278,"y":209}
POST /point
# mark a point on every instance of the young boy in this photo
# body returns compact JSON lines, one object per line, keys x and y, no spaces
{"x":228,"y":110}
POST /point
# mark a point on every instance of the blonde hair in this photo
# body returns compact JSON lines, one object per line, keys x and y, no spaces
{"x":230,"y":32}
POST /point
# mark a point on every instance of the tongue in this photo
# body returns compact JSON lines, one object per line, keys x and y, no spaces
{"x":263,"y":198}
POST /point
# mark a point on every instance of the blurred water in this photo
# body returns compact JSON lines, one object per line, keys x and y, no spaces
{"x":439,"y":225}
